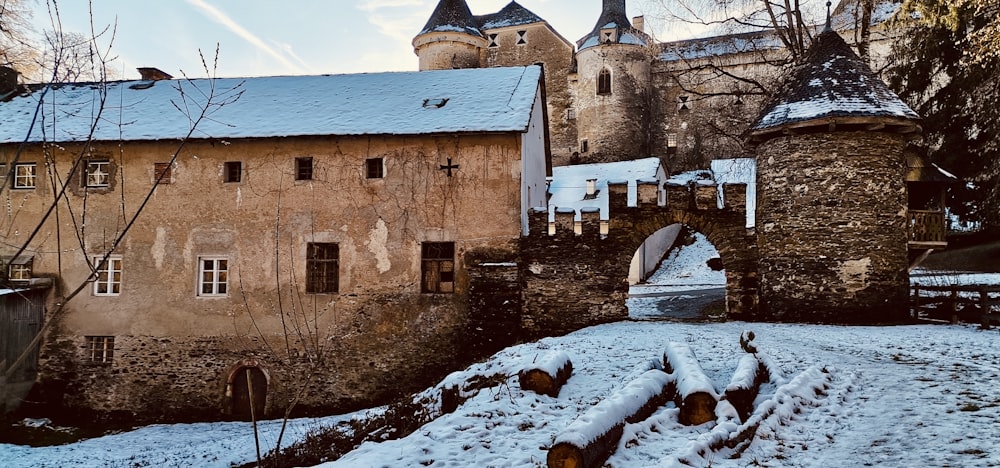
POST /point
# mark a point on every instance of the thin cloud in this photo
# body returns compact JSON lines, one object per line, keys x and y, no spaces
{"x":222,"y":18}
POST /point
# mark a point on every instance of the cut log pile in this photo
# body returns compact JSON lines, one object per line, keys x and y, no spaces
{"x":696,"y":396}
{"x":589,"y":440}
{"x":547,"y":374}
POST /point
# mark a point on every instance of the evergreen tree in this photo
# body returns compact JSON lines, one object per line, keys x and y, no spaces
{"x":947,"y":67}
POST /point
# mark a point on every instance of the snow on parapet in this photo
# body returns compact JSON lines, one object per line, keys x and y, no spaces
{"x":478,"y":100}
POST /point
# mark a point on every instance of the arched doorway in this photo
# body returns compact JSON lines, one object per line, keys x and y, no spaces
{"x":677,"y":274}
{"x":246,"y":391}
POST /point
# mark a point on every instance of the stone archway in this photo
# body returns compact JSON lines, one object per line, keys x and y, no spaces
{"x":246,"y":391}
{"x":573,"y":280}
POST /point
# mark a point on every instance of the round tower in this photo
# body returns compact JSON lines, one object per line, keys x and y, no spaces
{"x":832,"y":226}
{"x":450,"y":39}
{"x":612,"y":91}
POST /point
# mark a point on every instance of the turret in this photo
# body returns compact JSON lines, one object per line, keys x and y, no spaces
{"x":832,"y":204}
{"x":450,"y":39}
{"x":612,"y":88}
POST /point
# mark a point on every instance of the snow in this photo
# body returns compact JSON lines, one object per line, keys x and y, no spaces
{"x":919,"y":395}
{"x":690,"y":378}
{"x":549,"y":363}
{"x":569,"y":183}
{"x":478,"y":100}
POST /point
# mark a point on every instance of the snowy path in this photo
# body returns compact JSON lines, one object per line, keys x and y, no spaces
{"x":924,"y":395}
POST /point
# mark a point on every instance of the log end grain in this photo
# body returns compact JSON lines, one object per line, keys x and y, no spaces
{"x":564,"y":455}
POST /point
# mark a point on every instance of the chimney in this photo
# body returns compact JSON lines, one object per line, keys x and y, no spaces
{"x":639,"y":22}
{"x":8,"y":80}
{"x":152,"y":74}
{"x":591,"y":187}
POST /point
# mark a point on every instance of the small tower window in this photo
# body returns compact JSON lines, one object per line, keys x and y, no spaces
{"x":493,"y":41}
{"x":683,"y":103}
{"x":604,"y":82}
{"x":584,"y":146}
{"x":522,"y":37}
{"x":608,"y":35}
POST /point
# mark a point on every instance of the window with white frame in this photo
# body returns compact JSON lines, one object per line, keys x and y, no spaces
{"x":97,"y":174}
{"x":101,"y":349}
{"x":109,"y":276}
{"x":24,"y":175}
{"x":19,"y":268}
{"x":213,"y":276}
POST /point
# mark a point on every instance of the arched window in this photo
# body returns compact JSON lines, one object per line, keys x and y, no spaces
{"x":604,"y":82}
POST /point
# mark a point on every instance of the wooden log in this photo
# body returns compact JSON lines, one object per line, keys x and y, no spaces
{"x":591,"y":438}
{"x":547,"y":374}
{"x":743,"y":387}
{"x":696,"y":396}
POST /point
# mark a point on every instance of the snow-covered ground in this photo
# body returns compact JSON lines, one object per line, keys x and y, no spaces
{"x":923,"y":395}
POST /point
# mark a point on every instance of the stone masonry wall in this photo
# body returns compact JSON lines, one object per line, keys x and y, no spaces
{"x":831,"y":229}
{"x":574,"y":280}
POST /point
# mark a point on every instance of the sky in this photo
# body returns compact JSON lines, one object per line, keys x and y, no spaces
{"x":294,"y":37}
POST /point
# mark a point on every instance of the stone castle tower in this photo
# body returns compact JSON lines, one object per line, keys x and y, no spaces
{"x":613,"y":88}
{"x":832,"y":226}
{"x":450,"y":39}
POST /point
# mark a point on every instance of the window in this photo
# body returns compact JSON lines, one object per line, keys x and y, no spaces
{"x":322,"y":267}
{"x":109,"y":276}
{"x":232,"y":171}
{"x":438,"y":267}
{"x":303,"y":168}
{"x":683,"y":104}
{"x":374,"y":168}
{"x":24,"y":176}
{"x":213,"y":276}
{"x":493,"y":41}
{"x":604,"y":82}
{"x":608,"y":35}
{"x":163,"y":173}
{"x":19,"y":268}
{"x":101,"y":348}
{"x":522,"y":37}
{"x":97,"y":174}
{"x":584,"y":146}
{"x":671,"y":143}
{"x":570,"y":114}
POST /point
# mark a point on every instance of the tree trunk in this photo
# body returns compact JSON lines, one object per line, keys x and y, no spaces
{"x":696,"y":396}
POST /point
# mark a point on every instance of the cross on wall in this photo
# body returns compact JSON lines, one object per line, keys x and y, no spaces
{"x":449,"y":167}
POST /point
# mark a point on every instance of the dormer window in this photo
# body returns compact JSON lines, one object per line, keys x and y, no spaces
{"x":604,"y":82}
{"x":522,"y":37}
{"x":609,"y":35}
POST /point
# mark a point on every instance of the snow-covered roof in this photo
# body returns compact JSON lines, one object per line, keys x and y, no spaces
{"x":613,"y":16}
{"x":717,"y":46}
{"x":569,"y":183}
{"x":452,"y":16}
{"x":410,"y":103}
{"x":511,"y":15}
{"x":833,"y":82}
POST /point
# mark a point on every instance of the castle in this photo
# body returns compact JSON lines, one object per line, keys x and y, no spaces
{"x":334,"y":241}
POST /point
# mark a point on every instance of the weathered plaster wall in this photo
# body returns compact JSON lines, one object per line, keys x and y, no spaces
{"x":615,"y":125}
{"x":831,"y":225}
{"x":378,"y":336}
{"x":543,"y":46}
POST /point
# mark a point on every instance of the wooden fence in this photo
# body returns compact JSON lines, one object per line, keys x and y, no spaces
{"x":968,"y":302}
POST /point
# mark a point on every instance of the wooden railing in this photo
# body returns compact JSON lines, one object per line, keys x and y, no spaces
{"x":927,"y":226}
{"x":949,"y":302}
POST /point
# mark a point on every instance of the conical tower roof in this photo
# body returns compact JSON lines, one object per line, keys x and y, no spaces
{"x":834,"y":86}
{"x":452,"y":16}
{"x":511,"y":15}
{"x":613,"y":16}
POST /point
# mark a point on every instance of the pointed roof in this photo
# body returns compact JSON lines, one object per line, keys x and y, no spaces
{"x":452,"y":16}
{"x":511,"y":15}
{"x":833,"y":85}
{"x":613,"y":16}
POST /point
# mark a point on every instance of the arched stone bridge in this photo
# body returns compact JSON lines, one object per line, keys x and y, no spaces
{"x":571,"y":280}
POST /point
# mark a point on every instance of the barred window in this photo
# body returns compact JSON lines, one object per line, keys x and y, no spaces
{"x":322,"y":267}
{"x":303,"y":168}
{"x":101,"y":349}
{"x":438,"y":267}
